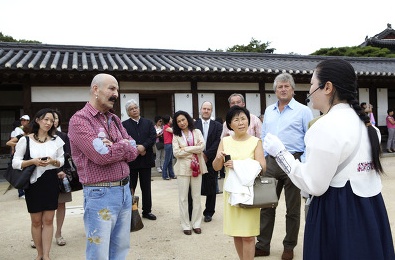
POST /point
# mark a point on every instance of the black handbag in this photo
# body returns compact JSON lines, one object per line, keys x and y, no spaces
{"x":265,"y":194}
{"x":159,"y":145}
{"x":71,"y":174}
{"x":20,"y":179}
{"x":209,"y":185}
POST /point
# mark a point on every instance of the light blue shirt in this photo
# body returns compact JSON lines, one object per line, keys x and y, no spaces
{"x":290,"y":125}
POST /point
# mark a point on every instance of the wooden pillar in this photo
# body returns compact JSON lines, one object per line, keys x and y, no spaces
{"x":195,"y":102}
{"x":262,"y":92}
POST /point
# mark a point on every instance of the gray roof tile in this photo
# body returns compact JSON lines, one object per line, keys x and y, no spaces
{"x":25,"y":57}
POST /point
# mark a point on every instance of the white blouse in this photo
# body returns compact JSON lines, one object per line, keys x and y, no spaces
{"x":329,"y":142}
{"x":51,"y":148}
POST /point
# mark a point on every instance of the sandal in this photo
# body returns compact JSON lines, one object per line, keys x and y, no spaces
{"x":60,"y":241}
{"x":32,"y":244}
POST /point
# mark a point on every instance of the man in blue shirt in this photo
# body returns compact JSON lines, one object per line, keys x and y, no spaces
{"x":287,"y":119}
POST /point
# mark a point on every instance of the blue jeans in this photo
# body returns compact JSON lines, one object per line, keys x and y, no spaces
{"x":167,"y":170}
{"x":107,"y":216}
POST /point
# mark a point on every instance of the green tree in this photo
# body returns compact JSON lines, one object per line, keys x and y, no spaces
{"x":356,"y":51}
{"x":253,"y":46}
{"x":6,"y":38}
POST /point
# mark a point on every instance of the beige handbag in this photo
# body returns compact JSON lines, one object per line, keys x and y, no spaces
{"x":265,"y":195}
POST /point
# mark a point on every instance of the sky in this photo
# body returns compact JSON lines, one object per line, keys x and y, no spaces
{"x":290,"y":26}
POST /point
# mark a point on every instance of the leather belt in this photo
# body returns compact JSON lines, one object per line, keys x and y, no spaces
{"x":122,"y":182}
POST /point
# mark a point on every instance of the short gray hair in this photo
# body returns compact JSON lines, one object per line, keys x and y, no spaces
{"x":236,"y":95}
{"x":284,"y":77}
{"x":129,"y":103}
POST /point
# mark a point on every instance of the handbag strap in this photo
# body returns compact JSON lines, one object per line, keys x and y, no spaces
{"x":27,"y":152}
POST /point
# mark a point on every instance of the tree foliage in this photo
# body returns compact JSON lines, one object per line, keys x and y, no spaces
{"x":6,"y":38}
{"x":356,"y":51}
{"x":253,"y":46}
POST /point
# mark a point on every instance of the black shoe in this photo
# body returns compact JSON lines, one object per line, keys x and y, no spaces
{"x":150,"y":216}
{"x":260,"y":252}
{"x":207,"y":218}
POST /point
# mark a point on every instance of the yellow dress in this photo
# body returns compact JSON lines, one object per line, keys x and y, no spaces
{"x":240,"y":222}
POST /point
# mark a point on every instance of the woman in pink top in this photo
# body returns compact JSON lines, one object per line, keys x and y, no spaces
{"x":391,"y":130}
{"x":167,"y":170}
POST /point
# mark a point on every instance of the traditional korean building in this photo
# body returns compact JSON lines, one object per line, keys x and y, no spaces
{"x":385,"y":39}
{"x":34,"y":76}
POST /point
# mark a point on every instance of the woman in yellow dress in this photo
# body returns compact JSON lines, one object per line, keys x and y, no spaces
{"x":240,"y":223}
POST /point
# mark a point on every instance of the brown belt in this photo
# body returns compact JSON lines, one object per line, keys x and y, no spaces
{"x":122,"y":182}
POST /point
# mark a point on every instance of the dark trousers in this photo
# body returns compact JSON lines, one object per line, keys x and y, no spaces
{"x":144,"y":174}
{"x":292,"y":201}
{"x":211,"y":196}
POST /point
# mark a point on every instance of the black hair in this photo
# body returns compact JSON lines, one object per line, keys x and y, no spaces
{"x":390,"y":110}
{"x":234,"y":111}
{"x":166,"y":119}
{"x":342,"y":75}
{"x":176,"y":129}
{"x":57,"y":112}
{"x":40,"y":115}
{"x":157,"y":118}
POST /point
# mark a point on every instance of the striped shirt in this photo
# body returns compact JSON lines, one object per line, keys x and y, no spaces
{"x":92,"y":166}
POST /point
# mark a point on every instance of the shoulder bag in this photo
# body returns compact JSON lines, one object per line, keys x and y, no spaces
{"x":20,"y":179}
{"x":265,"y":195}
{"x":159,"y":145}
{"x":71,"y":174}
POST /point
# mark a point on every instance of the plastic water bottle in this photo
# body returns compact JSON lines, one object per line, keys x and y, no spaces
{"x":66,"y":185}
{"x":101,"y":133}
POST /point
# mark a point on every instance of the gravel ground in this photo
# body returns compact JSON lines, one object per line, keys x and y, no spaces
{"x":162,"y":239}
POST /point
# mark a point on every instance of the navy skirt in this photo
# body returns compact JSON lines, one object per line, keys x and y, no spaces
{"x":342,"y":226}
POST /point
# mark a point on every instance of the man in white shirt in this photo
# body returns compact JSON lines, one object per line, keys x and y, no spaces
{"x":25,"y":119}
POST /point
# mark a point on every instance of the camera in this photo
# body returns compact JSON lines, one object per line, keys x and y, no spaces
{"x":227,"y":157}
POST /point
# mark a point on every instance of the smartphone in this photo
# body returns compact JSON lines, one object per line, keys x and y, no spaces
{"x":227,"y":157}
{"x":44,"y":158}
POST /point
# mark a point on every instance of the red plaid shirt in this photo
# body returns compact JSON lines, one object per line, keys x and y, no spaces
{"x":92,"y":166}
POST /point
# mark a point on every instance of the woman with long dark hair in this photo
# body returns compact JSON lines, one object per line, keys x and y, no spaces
{"x":46,"y":152}
{"x":347,"y":218}
{"x":188,"y":146}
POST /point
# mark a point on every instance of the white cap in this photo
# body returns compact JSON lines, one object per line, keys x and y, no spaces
{"x":25,"y":117}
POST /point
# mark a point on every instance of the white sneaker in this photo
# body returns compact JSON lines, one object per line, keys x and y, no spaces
{"x":22,"y":197}
{"x":158,"y":169}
